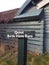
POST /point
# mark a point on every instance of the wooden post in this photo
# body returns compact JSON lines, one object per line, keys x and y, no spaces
{"x":22,"y":51}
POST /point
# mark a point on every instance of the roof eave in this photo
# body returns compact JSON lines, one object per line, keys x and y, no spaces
{"x":33,"y":18}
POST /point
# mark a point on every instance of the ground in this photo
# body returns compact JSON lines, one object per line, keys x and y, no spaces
{"x":12,"y":59}
{"x":9,"y":53}
{"x":9,"y":56}
{"x":42,"y":59}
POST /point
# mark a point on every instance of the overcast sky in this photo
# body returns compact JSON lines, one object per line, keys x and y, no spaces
{"x":10,"y":4}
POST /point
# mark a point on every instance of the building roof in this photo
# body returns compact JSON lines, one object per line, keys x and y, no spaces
{"x":23,"y":7}
{"x":27,"y":3}
{"x":6,"y":16}
{"x":42,"y":3}
{"x":33,"y":14}
{"x":33,"y":2}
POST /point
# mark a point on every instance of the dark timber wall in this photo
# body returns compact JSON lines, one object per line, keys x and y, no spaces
{"x":33,"y":44}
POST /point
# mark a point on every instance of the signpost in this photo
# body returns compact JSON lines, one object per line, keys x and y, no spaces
{"x":22,"y":44}
{"x":22,"y":51}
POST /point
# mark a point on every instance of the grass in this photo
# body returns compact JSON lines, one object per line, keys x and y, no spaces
{"x":9,"y":59}
{"x":38,"y":60}
{"x":31,"y":59}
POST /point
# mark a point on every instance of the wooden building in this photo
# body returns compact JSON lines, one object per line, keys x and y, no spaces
{"x":32,"y":16}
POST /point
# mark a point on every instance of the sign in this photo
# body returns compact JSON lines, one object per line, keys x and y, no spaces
{"x":19,"y":33}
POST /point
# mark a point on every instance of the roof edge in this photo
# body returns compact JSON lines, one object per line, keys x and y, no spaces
{"x":23,"y":6}
{"x":42,"y":4}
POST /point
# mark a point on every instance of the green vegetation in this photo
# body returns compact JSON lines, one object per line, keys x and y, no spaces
{"x":9,"y":59}
{"x":38,"y":60}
